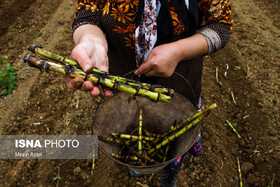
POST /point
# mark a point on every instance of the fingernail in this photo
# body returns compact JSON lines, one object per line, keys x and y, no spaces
{"x":136,"y":72}
{"x":87,"y":67}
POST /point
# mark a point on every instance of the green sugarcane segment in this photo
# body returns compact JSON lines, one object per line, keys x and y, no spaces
{"x":74,"y":72}
{"x":150,"y":134}
{"x":166,"y":153}
{"x":131,"y":137}
{"x":184,"y":122}
{"x":134,"y":158}
{"x":38,"y":50}
{"x":146,"y":143}
{"x":144,"y":157}
{"x":159,"y":156}
{"x":178,"y":133}
{"x":111,"y":140}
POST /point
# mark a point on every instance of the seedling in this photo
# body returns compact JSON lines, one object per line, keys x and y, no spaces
{"x":8,"y":75}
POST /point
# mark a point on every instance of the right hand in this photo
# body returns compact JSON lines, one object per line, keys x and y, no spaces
{"x":89,"y":54}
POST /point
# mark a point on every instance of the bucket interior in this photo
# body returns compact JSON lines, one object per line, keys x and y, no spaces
{"x":120,"y":114}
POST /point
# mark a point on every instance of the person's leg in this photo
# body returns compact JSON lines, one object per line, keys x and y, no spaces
{"x":170,"y":172}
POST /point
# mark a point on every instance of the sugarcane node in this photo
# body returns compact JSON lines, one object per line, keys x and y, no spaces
{"x":86,"y":77}
{"x":45,"y":65}
{"x":116,"y":84}
{"x":151,"y":88}
{"x":33,"y":47}
{"x":69,"y":69}
{"x":137,"y":89}
{"x":63,"y":61}
{"x":158,"y":97}
{"x":26,"y":58}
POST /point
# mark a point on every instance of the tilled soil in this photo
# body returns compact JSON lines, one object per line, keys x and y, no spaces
{"x":42,"y":104}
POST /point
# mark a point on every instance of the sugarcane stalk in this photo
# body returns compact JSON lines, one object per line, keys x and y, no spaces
{"x":111,"y":140}
{"x":159,"y":156}
{"x":166,"y":153}
{"x":232,"y":96}
{"x":234,"y":130}
{"x":239,"y":173}
{"x":188,"y":120}
{"x":134,"y":158}
{"x":38,"y":50}
{"x":144,"y":156}
{"x":93,"y":162}
{"x":140,"y":131}
{"x":178,"y":133}
{"x":72,"y":71}
{"x":150,"y":134}
{"x":146,"y":143}
{"x":131,"y":137}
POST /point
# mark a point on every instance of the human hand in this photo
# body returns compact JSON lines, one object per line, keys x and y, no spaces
{"x":89,"y":54}
{"x":162,"y":61}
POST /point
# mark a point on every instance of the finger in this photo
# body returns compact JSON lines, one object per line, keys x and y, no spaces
{"x":108,"y":93}
{"x":74,"y":83}
{"x":95,"y":91}
{"x":87,"y":86}
{"x":143,"y":69}
{"x":79,"y":54}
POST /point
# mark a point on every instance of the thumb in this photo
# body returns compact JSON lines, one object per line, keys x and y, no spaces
{"x":101,"y":61}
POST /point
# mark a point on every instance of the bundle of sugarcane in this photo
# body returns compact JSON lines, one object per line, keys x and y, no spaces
{"x":146,"y":148}
{"x":97,"y":77}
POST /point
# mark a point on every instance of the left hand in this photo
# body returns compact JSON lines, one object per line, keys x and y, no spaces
{"x":161,"y":62}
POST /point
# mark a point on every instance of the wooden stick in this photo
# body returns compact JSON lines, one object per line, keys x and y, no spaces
{"x":140,"y":131}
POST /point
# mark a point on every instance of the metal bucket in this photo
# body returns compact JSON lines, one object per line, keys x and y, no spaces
{"x":120,"y":114}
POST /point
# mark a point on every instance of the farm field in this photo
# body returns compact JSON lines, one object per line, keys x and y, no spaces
{"x":42,"y":104}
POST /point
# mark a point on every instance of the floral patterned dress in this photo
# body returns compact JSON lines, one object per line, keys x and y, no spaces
{"x":116,"y":18}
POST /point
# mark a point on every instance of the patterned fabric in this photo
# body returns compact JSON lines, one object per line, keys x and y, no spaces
{"x":146,"y":32}
{"x":216,"y":11}
{"x":195,"y":150}
{"x":124,"y":12}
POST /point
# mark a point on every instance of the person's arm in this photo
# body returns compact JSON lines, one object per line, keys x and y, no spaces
{"x":209,"y":38}
{"x":163,"y":59}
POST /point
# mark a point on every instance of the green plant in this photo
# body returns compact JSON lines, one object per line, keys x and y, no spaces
{"x":40,"y":33}
{"x":8,"y":75}
{"x":57,"y":178}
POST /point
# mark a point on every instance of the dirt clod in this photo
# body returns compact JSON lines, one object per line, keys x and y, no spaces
{"x":246,"y":167}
